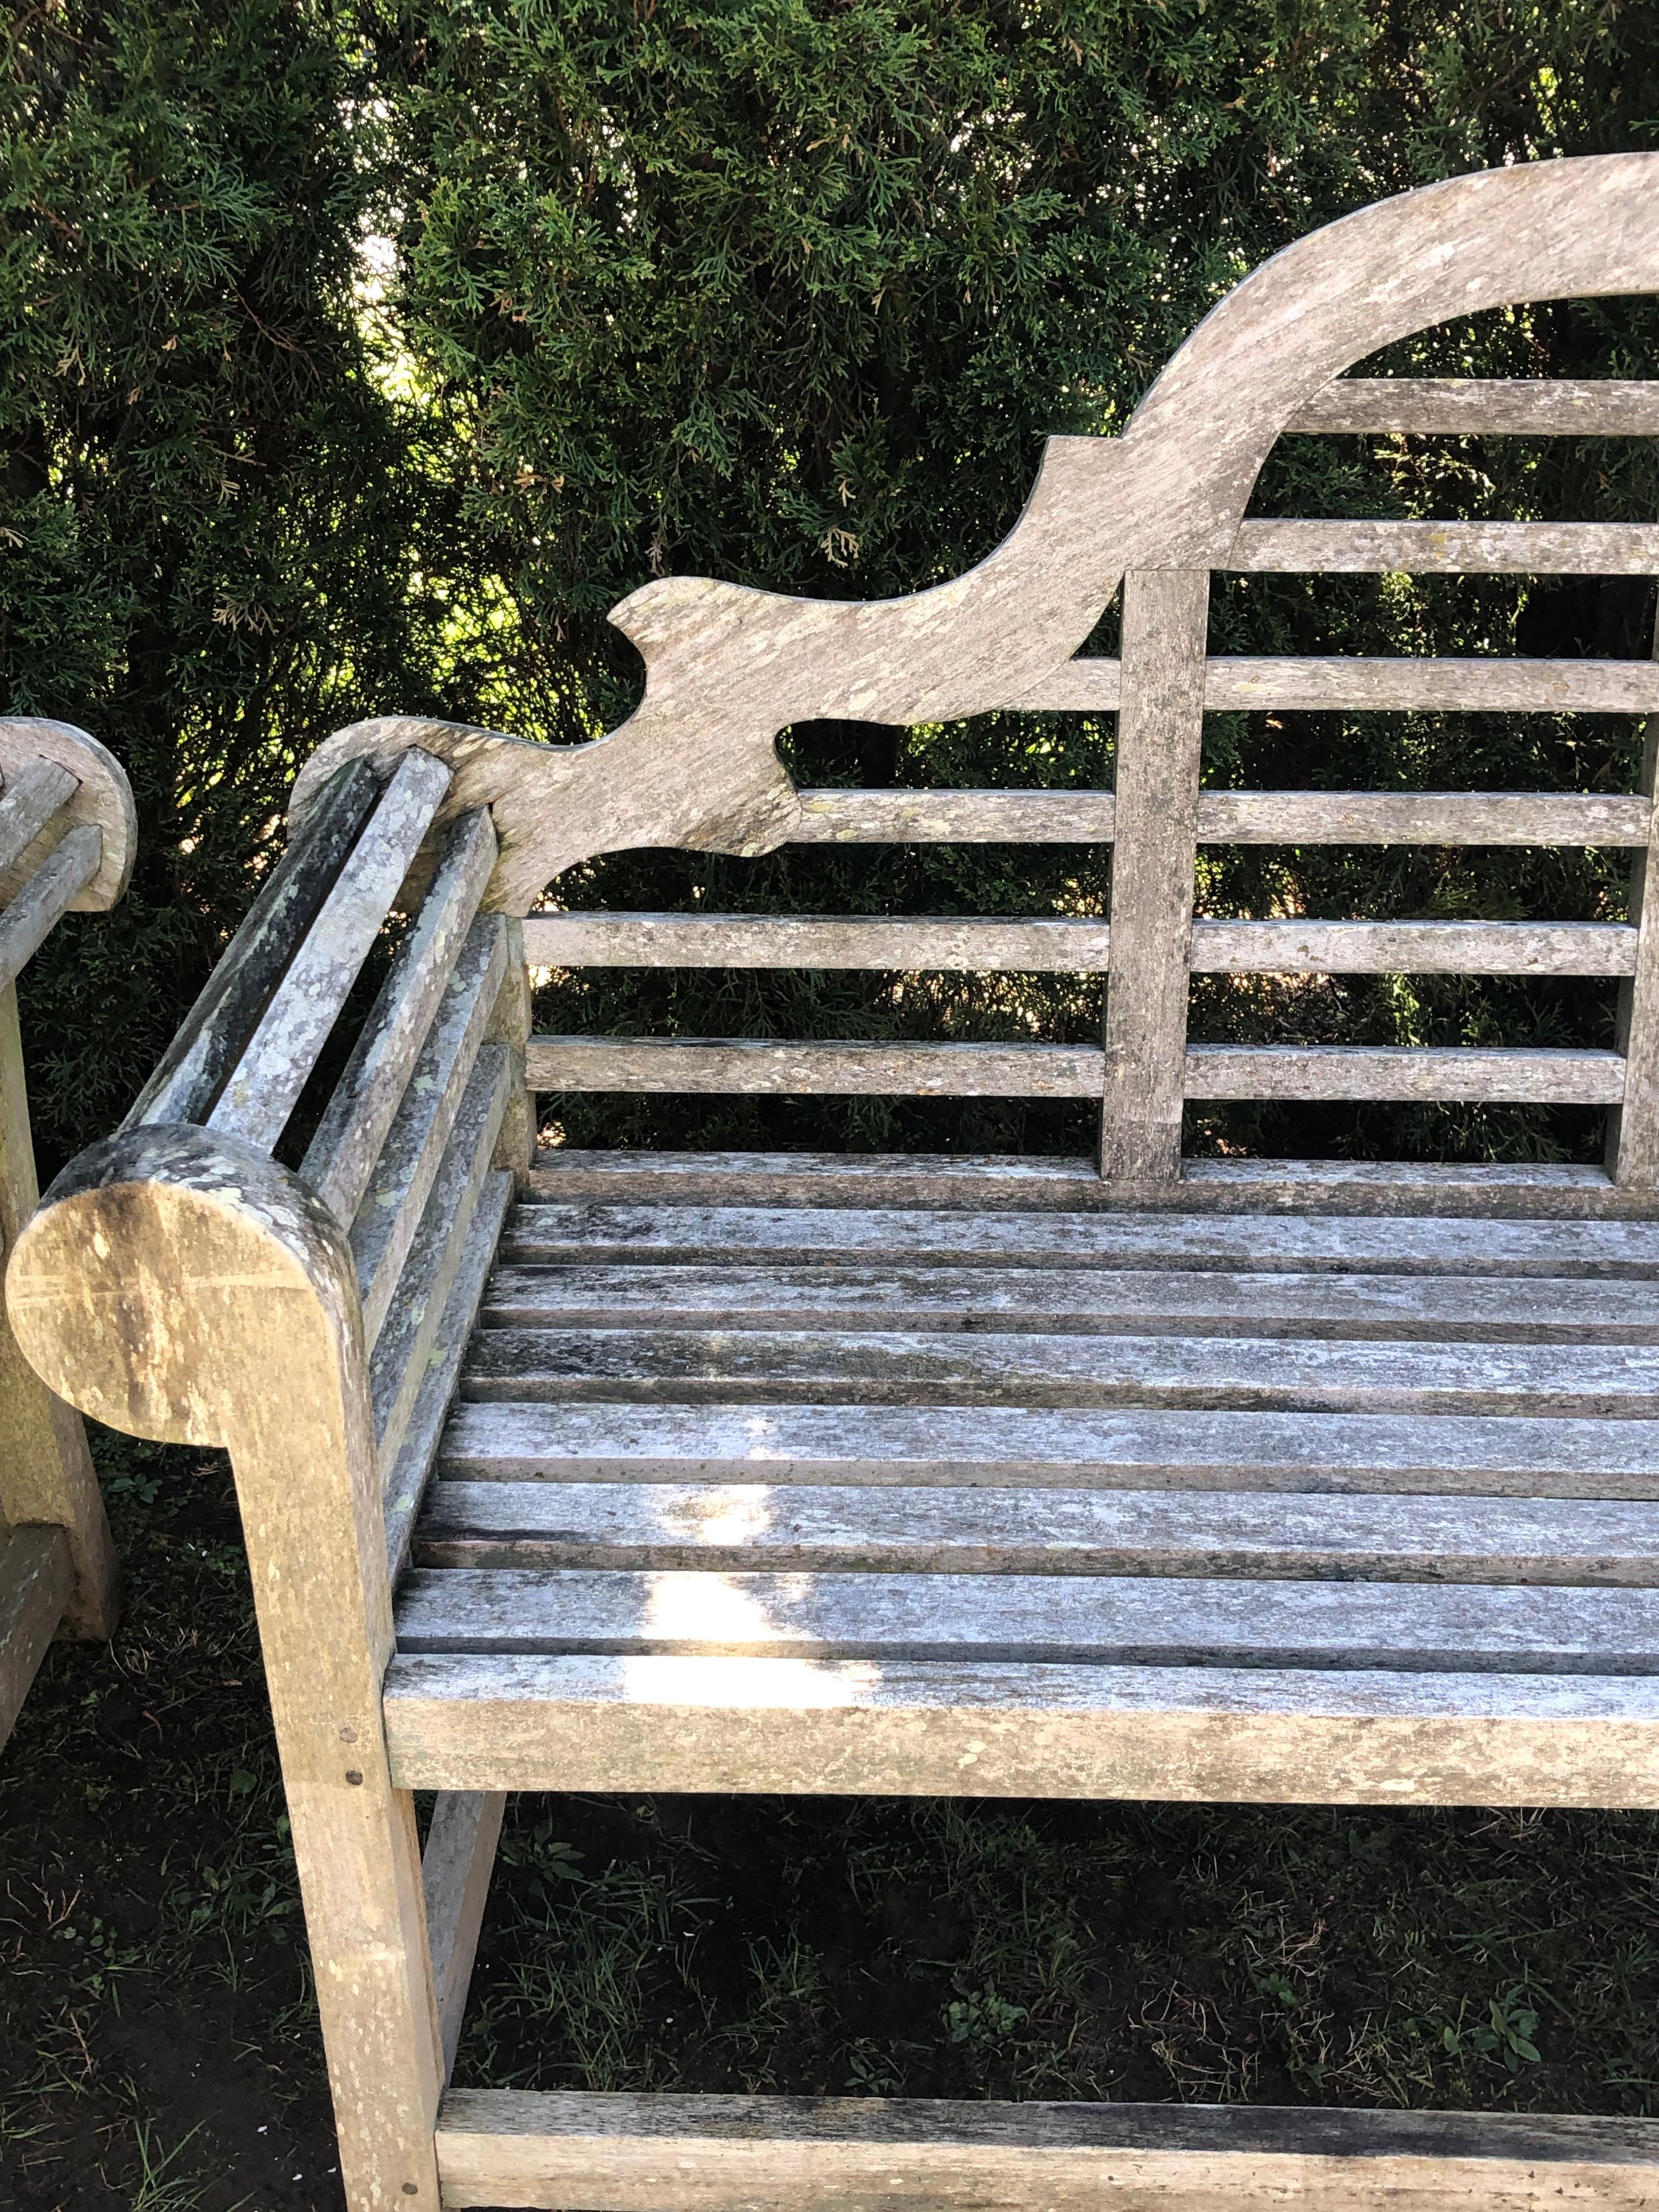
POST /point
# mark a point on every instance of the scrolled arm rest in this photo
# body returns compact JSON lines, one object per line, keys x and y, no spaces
{"x":180,"y":1285}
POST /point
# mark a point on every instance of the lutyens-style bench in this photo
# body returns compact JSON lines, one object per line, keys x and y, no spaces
{"x":67,"y":833}
{"x":1222,"y":1480}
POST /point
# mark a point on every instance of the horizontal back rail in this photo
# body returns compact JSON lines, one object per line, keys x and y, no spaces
{"x":1352,"y":682}
{"x":1446,"y":548}
{"x":1605,"y":407}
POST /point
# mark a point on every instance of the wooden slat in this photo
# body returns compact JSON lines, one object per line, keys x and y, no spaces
{"x":1205,"y":1735}
{"x":220,"y":1023}
{"x":1163,"y":1301}
{"x":753,"y":1064}
{"x":1230,"y":817}
{"x":342,"y":1155}
{"x":1159,"y":742}
{"x":401,"y":1179}
{"x":1288,"y":1071}
{"x":397,"y":1367}
{"x":957,"y":818}
{"x":893,"y":1368}
{"x":1605,"y":407}
{"x":635,"y":2153}
{"x":1413,"y":948}
{"x":742,"y":940}
{"x":1234,"y":1238}
{"x":962,"y":1448}
{"x":1110,"y":1620}
{"x":263,"y":1087}
{"x":1632,"y":1132}
{"x":28,"y":920}
{"x":735,"y":1527}
{"x":404,"y":1475}
{"x":1035,"y":1183}
{"x":1484,"y":549}
{"x":455,"y":1870}
{"x":1357,"y":683}
{"x":32,"y":795}
{"x":1068,"y":946}
{"x":37,"y":1580}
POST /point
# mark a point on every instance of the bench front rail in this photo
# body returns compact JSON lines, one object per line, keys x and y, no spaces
{"x":801,"y":1473}
{"x":66,"y":842}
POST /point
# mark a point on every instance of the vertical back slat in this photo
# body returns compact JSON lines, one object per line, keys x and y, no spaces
{"x":1159,"y":741}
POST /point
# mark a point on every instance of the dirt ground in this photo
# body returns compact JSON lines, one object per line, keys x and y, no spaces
{"x":160,"y":2049}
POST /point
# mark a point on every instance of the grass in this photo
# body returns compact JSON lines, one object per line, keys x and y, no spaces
{"x":159,"y":2048}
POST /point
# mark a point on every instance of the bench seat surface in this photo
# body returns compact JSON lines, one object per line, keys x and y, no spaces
{"x":857,"y":1496}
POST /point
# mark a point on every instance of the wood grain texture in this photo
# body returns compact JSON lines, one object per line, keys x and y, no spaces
{"x":34,"y":791}
{"x":860,"y":1232}
{"x":739,"y":1527}
{"x":263,"y":1088}
{"x":880,"y":1367}
{"x":46,"y":1476}
{"x":631,"y":2153}
{"x":1092,"y":1300}
{"x":969,"y":1182}
{"x":1602,"y":407}
{"x":37,"y":1581}
{"x":50,"y":892}
{"x":153,"y":1286}
{"x":1088,"y":684}
{"x":216,"y":1030}
{"x":398,"y":1366}
{"x":102,"y":800}
{"x":341,"y":1157}
{"x":1446,"y":548}
{"x":455,"y":1869}
{"x":727,"y":668}
{"x":961,"y":1449}
{"x":1070,"y":945}
{"x":1229,"y":818}
{"x":1214,"y":1734}
{"x":1289,"y":1071}
{"x":1632,"y":1132}
{"x":400,"y":1180}
{"x":754,"y":1064}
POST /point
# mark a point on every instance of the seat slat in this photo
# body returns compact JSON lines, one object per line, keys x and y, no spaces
{"x":931,"y":1237}
{"x":1151,"y":1300}
{"x":894,"y":1368}
{"x":1017,"y":1619}
{"x":736,"y":1527}
{"x":948,"y":1445}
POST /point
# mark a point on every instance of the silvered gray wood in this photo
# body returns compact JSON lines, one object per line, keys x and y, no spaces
{"x":734,"y":1528}
{"x":1632,"y":1135}
{"x":1607,"y":407}
{"x":342,"y":1155}
{"x":1012,"y":1619}
{"x":1619,"y":1381}
{"x":34,"y":793}
{"x":37,"y":1581}
{"x":99,"y":797}
{"x":1159,"y":738}
{"x":633,"y":2153}
{"x":455,"y":1870}
{"x":398,"y":1366}
{"x":1090,"y":684}
{"x":1072,"y":946}
{"x":405,"y":1474}
{"x":218,"y":1026}
{"x":27,"y":922}
{"x":1459,"y":549}
{"x":263,"y":1087}
{"x":1160,"y":1301}
{"x":401,"y":1181}
{"x":1288,"y":1071}
{"x":1229,"y":818}
{"x":753,"y":1064}
{"x":867,"y":1234}
{"x":960,"y":1448}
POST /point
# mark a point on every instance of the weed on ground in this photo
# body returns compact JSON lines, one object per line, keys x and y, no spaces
{"x":158,"y":2044}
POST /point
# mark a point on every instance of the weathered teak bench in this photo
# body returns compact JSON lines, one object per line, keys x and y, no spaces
{"x":1239,"y":1482}
{"x":66,"y":842}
